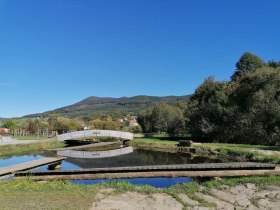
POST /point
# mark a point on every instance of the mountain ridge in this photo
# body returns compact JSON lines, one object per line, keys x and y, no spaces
{"x":94,"y":105}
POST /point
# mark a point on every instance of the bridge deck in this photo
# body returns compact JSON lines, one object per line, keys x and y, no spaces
{"x":190,"y":170}
{"x":29,"y":165}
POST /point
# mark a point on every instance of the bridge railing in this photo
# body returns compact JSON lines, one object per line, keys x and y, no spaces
{"x":95,"y":133}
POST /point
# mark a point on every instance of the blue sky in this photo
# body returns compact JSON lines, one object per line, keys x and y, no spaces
{"x":56,"y":52}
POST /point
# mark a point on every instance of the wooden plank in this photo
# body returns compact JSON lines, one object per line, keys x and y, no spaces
{"x":182,"y":167}
{"x":197,"y":174}
{"x":29,"y":165}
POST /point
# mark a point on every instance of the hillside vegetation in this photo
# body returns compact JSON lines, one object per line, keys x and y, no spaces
{"x":123,"y":106}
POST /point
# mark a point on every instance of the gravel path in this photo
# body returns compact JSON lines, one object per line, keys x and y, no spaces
{"x":11,"y":141}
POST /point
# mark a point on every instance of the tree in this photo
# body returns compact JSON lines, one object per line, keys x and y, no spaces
{"x":162,"y":118}
{"x":245,"y":110}
{"x":52,"y":119}
{"x":135,"y":129}
{"x":31,"y":127}
{"x":273,"y":64}
{"x":247,"y":62}
{"x":10,"y":124}
{"x":208,"y":112}
{"x":63,"y":124}
{"x":105,"y":124}
{"x":145,"y":121}
{"x":256,"y":97}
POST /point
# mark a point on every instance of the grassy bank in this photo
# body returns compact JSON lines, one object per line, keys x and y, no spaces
{"x":259,"y":153}
{"x":26,"y":149}
{"x":154,"y":144}
{"x":238,"y":152}
{"x":243,"y":146}
{"x":26,"y":194}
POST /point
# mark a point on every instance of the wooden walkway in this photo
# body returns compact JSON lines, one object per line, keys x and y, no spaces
{"x":99,"y":144}
{"x":8,"y":170}
{"x":185,"y":170}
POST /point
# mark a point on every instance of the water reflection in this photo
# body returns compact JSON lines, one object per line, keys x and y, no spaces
{"x":95,"y":154}
{"x":155,"y":182}
{"x":18,"y":159}
{"x":137,"y":158}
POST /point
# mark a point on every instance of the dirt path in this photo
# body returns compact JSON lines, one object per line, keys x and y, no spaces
{"x":11,"y":141}
{"x":247,"y":196}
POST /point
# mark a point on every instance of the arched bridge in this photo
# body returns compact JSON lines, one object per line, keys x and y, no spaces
{"x":95,"y":133}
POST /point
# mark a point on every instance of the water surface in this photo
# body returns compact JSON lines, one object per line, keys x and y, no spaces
{"x":138,"y":158}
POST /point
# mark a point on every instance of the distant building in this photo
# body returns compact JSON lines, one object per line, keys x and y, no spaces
{"x":4,"y":130}
{"x":87,"y":127}
{"x":120,"y":120}
{"x":133,"y":122}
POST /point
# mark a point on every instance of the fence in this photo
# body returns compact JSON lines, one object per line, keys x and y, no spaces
{"x":22,"y":132}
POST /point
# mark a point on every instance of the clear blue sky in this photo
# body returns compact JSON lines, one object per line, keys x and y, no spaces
{"x":56,"y":52}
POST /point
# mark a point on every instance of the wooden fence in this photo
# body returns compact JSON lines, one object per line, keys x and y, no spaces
{"x":22,"y":132}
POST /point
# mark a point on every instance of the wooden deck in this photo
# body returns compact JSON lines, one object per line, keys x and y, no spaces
{"x":185,"y":170}
{"x":8,"y":170}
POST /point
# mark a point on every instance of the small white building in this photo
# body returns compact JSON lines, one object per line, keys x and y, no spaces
{"x":133,"y":123}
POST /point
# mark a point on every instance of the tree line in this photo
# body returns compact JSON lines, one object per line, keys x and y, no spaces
{"x":62,"y":124}
{"x":245,"y":109}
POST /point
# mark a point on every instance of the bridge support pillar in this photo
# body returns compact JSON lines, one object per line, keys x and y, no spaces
{"x":55,"y":166}
{"x":125,"y":141}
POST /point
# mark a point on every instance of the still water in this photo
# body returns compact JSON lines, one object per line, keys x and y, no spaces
{"x":137,"y":158}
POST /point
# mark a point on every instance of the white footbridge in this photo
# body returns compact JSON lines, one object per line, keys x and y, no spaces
{"x":95,"y":133}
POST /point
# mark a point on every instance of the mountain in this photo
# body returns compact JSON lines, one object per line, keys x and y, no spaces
{"x":125,"y":105}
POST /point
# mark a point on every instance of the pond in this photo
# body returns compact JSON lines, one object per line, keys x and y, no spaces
{"x":138,"y":158}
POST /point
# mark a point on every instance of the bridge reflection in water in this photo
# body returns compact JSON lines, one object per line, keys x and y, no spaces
{"x":95,"y":154}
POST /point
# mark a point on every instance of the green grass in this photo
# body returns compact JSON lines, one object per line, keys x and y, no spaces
{"x":155,"y":144}
{"x":245,"y":152}
{"x":242,"y":146}
{"x":154,"y":141}
{"x":26,"y":149}
{"x":27,"y":194}
{"x":122,"y":187}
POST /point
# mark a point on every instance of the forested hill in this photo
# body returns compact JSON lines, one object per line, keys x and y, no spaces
{"x":125,"y":105}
